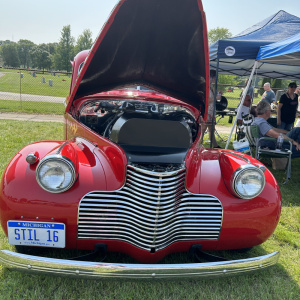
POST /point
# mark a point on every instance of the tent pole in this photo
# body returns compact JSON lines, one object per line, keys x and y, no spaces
{"x":215,"y":102}
{"x":241,"y":101}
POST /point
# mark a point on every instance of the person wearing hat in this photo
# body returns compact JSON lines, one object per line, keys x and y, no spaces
{"x":287,"y":108}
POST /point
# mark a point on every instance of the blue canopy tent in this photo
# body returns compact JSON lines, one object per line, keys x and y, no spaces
{"x":280,"y":59}
{"x":237,"y":55}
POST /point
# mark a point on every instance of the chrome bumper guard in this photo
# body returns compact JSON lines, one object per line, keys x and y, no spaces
{"x":83,"y":269}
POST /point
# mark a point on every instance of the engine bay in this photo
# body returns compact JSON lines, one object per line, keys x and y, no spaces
{"x":143,"y":129}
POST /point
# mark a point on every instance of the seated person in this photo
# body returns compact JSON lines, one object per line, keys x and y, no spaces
{"x":245,"y":110}
{"x":263,"y":110}
{"x":253,"y":111}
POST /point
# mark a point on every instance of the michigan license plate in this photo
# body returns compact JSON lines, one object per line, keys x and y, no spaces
{"x":41,"y":234}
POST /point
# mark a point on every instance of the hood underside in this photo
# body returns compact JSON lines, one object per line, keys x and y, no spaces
{"x":160,"y":44}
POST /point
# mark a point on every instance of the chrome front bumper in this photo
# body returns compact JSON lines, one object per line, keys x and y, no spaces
{"x":82,"y":269}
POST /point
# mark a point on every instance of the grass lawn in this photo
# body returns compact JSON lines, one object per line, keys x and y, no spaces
{"x":32,"y":107}
{"x":279,"y":282}
{"x":10,"y":82}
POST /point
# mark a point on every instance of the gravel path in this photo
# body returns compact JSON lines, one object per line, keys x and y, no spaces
{"x":28,"y":97}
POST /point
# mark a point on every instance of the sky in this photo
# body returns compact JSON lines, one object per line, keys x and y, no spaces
{"x":42,"y":21}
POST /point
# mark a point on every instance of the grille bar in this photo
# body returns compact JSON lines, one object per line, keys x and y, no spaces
{"x":151,"y":211}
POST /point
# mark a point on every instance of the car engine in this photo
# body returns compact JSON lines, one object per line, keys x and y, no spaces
{"x":145,"y":130}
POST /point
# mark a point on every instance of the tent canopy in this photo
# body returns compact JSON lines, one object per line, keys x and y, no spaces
{"x":281,"y":59}
{"x":285,"y":52}
{"x":237,"y":54}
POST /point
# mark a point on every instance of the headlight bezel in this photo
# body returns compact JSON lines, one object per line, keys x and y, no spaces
{"x":241,"y":171}
{"x":61,"y":159}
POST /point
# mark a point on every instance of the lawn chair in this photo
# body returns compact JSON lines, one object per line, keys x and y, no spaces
{"x":260,"y":152}
{"x":247,"y":122}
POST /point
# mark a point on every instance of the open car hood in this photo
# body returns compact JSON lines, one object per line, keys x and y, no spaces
{"x":160,"y":44}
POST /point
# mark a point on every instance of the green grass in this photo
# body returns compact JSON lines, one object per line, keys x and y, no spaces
{"x":10,"y":82}
{"x":32,"y":107}
{"x":16,"y":134}
{"x":233,"y":99}
{"x":4,"y":70}
{"x":279,"y":282}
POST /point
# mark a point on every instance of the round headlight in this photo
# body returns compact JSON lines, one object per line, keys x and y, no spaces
{"x":55,"y":173}
{"x":248,"y":181}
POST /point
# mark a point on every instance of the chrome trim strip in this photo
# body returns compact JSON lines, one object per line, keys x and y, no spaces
{"x":143,"y":195}
{"x":246,"y":159}
{"x":157,"y":179}
{"x":165,"y":186}
{"x":149,"y":212}
{"x":96,"y":270}
{"x":161,"y":187}
{"x":162,"y":174}
{"x":90,"y":217}
{"x":61,"y":147}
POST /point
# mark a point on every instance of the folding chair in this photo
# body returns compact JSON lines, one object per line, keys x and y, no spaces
{"x":261,"y":151}
{"x":247,"y":122}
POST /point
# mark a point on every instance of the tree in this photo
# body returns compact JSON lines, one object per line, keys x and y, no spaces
{"x":51,"y":48}
{"x":9,"y":53}
{"x":1,"y":59}
{"x":24,"y":47}
{"x":5,"y":42}
{"x":65,"y":50}
{"x":225,"y":81}
{"x":41,"y":58}
{"x":218,"y":34}
{"x":84,"y":41}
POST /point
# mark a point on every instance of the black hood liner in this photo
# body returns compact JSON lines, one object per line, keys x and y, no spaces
{"x":155,"y":43}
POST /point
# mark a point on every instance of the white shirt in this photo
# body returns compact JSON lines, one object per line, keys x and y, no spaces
{"x":245,"y":110}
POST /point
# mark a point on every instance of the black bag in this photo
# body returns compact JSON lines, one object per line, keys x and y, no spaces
{"x":240,"y":135}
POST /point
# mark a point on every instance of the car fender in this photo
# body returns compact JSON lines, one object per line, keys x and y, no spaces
{"x":209,"y":171}
{"x":21,"y":196}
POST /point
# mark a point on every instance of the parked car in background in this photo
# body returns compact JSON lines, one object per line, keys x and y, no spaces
{"x":131,"y":175}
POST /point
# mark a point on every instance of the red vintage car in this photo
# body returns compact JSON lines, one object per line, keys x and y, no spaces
{"x":131,"y":175}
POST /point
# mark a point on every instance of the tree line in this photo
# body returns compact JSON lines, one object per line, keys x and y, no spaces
{"x":26,"y":54}
{"x":51,"y":56}
{"x":57,"y":56}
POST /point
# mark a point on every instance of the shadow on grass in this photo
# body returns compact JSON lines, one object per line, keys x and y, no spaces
{"x":271,"y":283}
{"x":290,"y":191}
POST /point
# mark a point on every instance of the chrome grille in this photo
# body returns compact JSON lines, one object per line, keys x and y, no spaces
{"x":151,"y":211}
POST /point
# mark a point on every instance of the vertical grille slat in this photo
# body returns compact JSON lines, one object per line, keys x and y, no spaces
{"x":151,"y":211}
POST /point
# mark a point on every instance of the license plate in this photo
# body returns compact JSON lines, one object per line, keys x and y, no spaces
{"x":41,"y":234}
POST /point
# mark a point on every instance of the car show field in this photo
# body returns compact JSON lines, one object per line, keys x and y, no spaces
{"x":119,"y":195}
